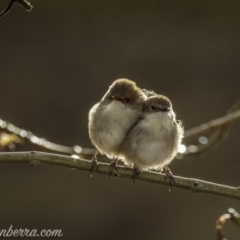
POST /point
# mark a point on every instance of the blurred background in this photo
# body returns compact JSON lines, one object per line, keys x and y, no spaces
{"x":58,"y":60}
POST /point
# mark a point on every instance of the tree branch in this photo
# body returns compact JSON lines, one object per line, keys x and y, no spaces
{"x":24,"y":3}
{"x":212,"y":125}
{"x":42,"y":143}
{"x":194,"y":185}
{"x":217,"y":130}
{"x":232,"y":215}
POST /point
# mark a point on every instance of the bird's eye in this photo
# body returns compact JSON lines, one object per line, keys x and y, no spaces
{"x":153,"y":108}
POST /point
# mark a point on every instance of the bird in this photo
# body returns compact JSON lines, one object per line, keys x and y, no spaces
{"x":154,"y":141}
{"x":148,"y":93}
{"x":112,"y":118}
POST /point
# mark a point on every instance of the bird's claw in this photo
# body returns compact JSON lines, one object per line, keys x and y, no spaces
{"x":94,"y":165}
{"x":135,"y":175}
{"x":113,"y":166}
{"x":168,"y":174}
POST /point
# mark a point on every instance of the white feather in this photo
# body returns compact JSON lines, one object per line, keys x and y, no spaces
{"x":108,"y":135}
{"x":153,"y":142}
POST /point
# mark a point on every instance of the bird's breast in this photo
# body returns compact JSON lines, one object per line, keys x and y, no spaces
{"x":111,"y":123}
{"x":156,"y":122}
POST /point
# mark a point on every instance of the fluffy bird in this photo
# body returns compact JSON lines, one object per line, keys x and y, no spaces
{"x":112,"y":118}
{"x":153,"y":142}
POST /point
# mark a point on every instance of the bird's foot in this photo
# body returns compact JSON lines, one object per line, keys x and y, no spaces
{"x":113,"y":166}
{"x":168,"y":174}
{"x":135,"y":175}
{"x":94,"y":165}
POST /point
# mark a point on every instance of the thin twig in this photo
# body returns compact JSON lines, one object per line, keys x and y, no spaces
{"x":8,"y":8}
{"x":194,"y":185}
{"x":27,"y":5}
{"x":212,"y":125}
{"x":24,"y":3}
{"x":219,"y":226}
{"x":218,"y":130}
{"x":233,"y":216}
{"x":42,"y":142}
{"x":213,"y":140}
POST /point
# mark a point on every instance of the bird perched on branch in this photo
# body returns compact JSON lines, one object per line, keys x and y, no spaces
{"x":112,"y":118}
{"x":153,"y":142}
